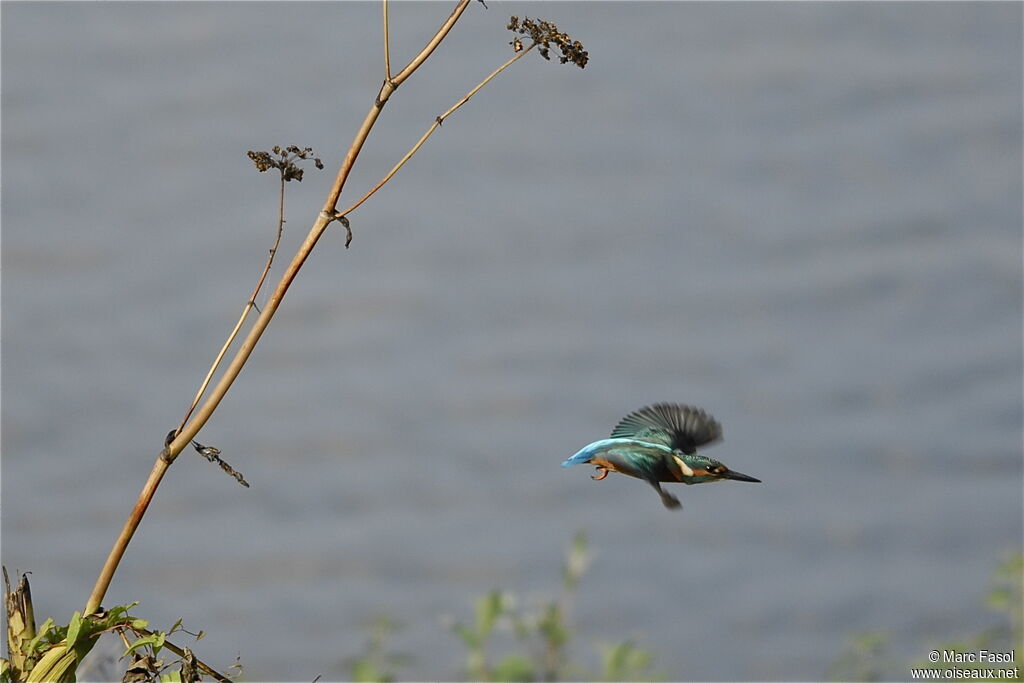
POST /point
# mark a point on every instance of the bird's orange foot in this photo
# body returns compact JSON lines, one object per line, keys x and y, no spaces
{"x":602,"y":472}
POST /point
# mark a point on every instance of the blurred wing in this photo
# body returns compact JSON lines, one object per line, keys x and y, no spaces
{"x":679,"y":427}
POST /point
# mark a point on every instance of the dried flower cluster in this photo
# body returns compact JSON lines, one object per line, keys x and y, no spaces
{"x":543,"y":34}
{"x":285,"y":161}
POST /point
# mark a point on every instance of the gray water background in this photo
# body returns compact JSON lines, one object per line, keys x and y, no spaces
{"x":804,"y":217}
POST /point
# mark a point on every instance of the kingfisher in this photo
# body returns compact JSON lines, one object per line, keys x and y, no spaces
{"x":658,"y":443}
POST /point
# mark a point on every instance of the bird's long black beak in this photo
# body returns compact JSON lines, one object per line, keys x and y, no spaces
{"x":739,"y":477}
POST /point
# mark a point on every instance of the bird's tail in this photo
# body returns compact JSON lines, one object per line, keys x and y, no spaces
{"x":581,"y":458}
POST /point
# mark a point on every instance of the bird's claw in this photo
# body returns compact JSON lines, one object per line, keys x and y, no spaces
{"x":670,"y":501}
{"x":602,"y":472}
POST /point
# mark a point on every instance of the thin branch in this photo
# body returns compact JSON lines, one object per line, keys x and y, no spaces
{"x":543,"y":33}
{"x":209,"y":670}
{"x":330,"y":206}
{"x":429,"y":48}
{"x":387,"y":46}
{"x":437,"y":124}
{"x":245,"y":311}
{"x":216,"y":362}
{"x":216,"y":395}
{"x":130,"y":525}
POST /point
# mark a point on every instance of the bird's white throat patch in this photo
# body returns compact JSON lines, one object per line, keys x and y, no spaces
{"x":687,"y":472}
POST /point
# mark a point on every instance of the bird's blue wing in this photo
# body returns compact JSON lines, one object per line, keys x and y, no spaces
{"x":677,"y":426}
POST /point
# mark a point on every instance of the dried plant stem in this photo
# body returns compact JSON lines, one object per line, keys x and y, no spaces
{"x":437,"y":124}
{"x":144,"y":632}
{"x":386,"y":90}
{"x":132,"y":523}
{"x":213,"y":399}
{"x":245,"y":311}
{"x":387,"y":44}
{"x":207,"y":669}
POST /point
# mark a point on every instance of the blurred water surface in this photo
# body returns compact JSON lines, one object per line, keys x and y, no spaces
{"x":804,"y":217}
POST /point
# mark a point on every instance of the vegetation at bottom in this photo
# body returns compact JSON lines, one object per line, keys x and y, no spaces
{"x":867,"y":656}
{"x":53,"y":652}
{"x":533,"y":640}
{"x":539,"y":640}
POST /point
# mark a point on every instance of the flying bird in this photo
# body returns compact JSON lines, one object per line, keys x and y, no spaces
{"x":658,"y":443}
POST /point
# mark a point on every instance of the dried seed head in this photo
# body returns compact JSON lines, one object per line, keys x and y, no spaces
{"x":285,"y":161}
{"x":543,"y":34}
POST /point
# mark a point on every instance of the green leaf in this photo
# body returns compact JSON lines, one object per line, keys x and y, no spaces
{"x":158,"y":642}
{"x":150,"y":640}
{"x":74,"y":628}
{"x":488,"y":609}
{"x":468,"y":637}
{"x":117,"y":611}
{"x":57,"y":664}
{"x":41,"y":633}
{"x":85,"y":643}
{"x":576,"y":561}
{"x":364,"y":671}
{"x":551,"y":626}
{"x":514,"y":668}
{"x":139,"y":623}
{"x":625,"y":662}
